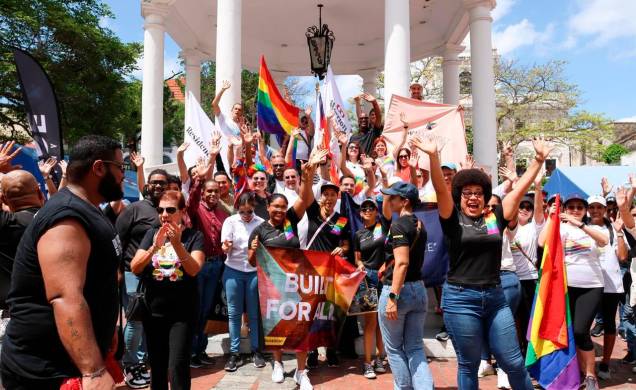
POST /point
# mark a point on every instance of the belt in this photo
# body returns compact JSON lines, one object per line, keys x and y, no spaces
{"x":485,"y":286}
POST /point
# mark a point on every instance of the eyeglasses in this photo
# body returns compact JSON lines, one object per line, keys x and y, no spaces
{"x":469,"y":194}
{"x":158,"y":182}
{"x":116,"y":163}
{"x":578,"y":208}
{"x":367,"y":209}
{"x":169,"y":210}
{"x":353,"y":147}
{"x":403,"y":156}
{"x":246,"y":212}
{"x":258,"y":179}
{"x":526,"y":207}
{"x":290,"y":177}
{"x":278,"y":165}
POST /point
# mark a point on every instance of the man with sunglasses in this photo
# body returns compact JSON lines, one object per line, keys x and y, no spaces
{"x":368,"y":128}
{"x":132,"y":225}
{"x":276,"y":182}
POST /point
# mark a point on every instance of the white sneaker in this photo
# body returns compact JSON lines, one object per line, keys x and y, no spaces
{"x":485,"y":369}
{"x":302,"y":380}
{"x":278,"y":374}
{"x":502,"y":379}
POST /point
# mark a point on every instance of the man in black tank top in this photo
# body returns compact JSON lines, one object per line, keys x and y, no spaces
{"x":63,"y":298}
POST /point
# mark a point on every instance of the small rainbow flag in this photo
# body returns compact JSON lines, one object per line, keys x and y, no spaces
{"x":491,"y":223}
{"x":274,"y":114}
{"x":551,"y":357}
{"x":289,"y":231}
{"x":340,"y":223}
{"x":377,"y":231}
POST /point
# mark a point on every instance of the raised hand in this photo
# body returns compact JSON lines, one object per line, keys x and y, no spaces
{"x":6,"y":157}
{"x":368,"y":97}
{"x":160,"y":237}
{"x":367,"y":162}
{"x":507,"y":149}
{"x":225,"y":85}
{"x":296,"y":133}
{"x":427,"y":145}
{"x":413,"y":160}
{"x":203,"y":168}
{"x":468,"y":163}
{"x":246,"y":133}
{"x":618,"y":223}
{"x":507,"y":174}
{"x":342,"y":137}
{"x":137,"y":159}
{"x":404,"y":119}
{"x":316,"y":156}
{"x":606,"y":186}
{"x":215,"y":143}
{"x":380,"y":164}
{"x":542,"y":148}
{"x":621,"y":199}
{"x":308,"y":111}
{"x":63,"y":165}
{"x":46,"y":166}
{"x":182,"y":148}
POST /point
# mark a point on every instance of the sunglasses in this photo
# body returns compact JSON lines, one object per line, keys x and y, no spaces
{"x":367,"y":209}
{"x":468,"y":194}
{"x":248,"y":212}
{"x":578,"y":208}
{"x":115,"y":163}
{"x":526,"y":207}
{"x":158,"y":183}
{"x":290,"y":177}
{"x":278,"y":165}
{"x":403,"y":156}
{"x":259,"y":179}
{"x":353,"y":147}
{"x":169,"y":210}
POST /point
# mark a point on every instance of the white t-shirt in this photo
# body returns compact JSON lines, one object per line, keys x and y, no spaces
{"x":227,"y":126}
{"x":507,"y":262}
{"x":237,"y":231}
{"x":525,"y":244}
{"x":302,"y":149}
{"x":356,"y":169}
{"x":582,"y":257}
{"x":609,"y":263}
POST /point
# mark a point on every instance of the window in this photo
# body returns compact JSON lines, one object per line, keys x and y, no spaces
{"x":550,"y":166}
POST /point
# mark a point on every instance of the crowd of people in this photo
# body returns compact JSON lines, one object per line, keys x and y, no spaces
{"x":72,"y":258}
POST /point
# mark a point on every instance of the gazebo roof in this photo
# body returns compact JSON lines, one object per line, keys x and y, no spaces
{"x":276,"y":28}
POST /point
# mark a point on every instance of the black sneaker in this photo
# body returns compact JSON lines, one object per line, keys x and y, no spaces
{"x":258,"y":360}
{"x":628,"y":359}
{"x":195,"y":362}
{"x":145,"y":374}
{"x":133,"y":378}
{"x":312,"y":359}
{"x":622,"y":334}
{"x":332,"y":358}
{"x":205,"y":359}
{"x":442,"y":335}
{"x":597,"y":330}
{"x":233,"y":362}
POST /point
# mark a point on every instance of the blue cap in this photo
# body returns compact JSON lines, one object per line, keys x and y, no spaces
{"x":404,"y":190}
{"x":450,"y":165}
{"x":575,"y":196}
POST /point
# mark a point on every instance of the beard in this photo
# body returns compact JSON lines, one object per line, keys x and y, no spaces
{"x":109,"y":189}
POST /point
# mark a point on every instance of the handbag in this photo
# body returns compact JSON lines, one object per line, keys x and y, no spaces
{"x":365,"y":300}
{"x":137,"y":306}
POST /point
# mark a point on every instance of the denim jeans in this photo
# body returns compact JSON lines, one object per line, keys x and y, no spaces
{"x":512,"y":291}
{"x":134,"y":338}
{"x":471,"y":312}
{"x":207,"y":280}
{"x":630,"y":330}
{"x":403,"y":337}
{"x":241,"y":291}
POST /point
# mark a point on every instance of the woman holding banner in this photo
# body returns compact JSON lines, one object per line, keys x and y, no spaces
{"x":472,"y":299}
{"x":281,"y":230}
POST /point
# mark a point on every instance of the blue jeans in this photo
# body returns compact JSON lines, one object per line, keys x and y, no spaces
{"x":469,"y":314}
{"x":630,"y":330}
{"x":134,"y":338}
{"x":241,"y":289}
{"x":512,"y":292}
{"x":207,"y":280}
{"x":373,"y":278}
{"x":403,"y":337}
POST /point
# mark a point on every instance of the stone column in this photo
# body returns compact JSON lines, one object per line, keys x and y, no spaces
{"x":369,"y":81}
{"x":483,"y":84}
{"x":397,"y":49}
{"x":192,"y":59}
{"x":228,"y":51}
{"x":152,"y":85}
{"x":450,"y":71}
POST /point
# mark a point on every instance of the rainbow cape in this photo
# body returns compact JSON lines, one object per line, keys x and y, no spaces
{"x":551,"y":355}
{"x":274,"y":114}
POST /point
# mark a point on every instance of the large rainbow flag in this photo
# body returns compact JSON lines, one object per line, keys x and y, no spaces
{"x":274,"y":114}
{"x":304,"y":297}
{"x":551,"y":356}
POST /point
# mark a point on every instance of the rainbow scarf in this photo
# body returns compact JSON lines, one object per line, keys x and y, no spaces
{"x":377,"y":231}
{"x":274,"y":114}
{"x":287,"y":228}
{"x":337,"y":227}
{"x":491,"y":223}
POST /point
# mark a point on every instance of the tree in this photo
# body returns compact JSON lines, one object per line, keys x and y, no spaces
{"x":87,"y":64}
{"x":613,"y":153}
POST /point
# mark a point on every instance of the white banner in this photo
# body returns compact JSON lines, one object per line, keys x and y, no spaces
{"x":198,"y":133}
{"x":333,"y":102}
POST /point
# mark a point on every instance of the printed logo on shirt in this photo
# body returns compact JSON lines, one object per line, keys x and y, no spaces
{"x":574,"y":247}
{"x":338,"y":226}
{"x":117,"y":245}
{"x":166,"y":264}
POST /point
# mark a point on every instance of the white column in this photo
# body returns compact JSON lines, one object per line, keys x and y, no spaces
{"x":228,"y":51}
{"x":450,"y":71}
{"x":192,"y":59}
{"x":369,"y":81}
{"x":483,"y":85}
{"x":397,"y":49}
{"x":152,"y":87}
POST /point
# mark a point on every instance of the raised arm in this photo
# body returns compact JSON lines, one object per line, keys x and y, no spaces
{"x":63,"y":182}
{"x":445,"y":202}
{"x":543,"y":236}
{"x":413,"y":167}
{"x":622,"y":252}
{"x":356,"y":100}
{"x":311,"y":129}
{"x":405,"y":126}
{"x":306,"y":197}
{"x":289,"y":152}
{"x":45,"y":170}
{"x":376,"y":108}
{"x":138,"y":161}
{"x":369,"y":172}
{"x":183,"y":169}
{"x":624,"y":202}
{"x":217,"y":98}
{"x":343,"y":139}
{"x":539,"y":215}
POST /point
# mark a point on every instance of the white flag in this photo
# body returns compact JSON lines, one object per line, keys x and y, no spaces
{"x":333,"y":102}
{"x":198,"y":133}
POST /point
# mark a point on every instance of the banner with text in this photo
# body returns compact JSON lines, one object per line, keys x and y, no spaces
{"x":304,"y":297}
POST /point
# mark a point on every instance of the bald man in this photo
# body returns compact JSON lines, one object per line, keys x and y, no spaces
{"x":21,"y":192}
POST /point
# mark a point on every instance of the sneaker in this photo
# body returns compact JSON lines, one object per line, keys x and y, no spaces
{"x":628,"y":359}
{"x":591,"y":383}
{"x":442,"y":335}
{"x":133,"y":378}
{"x":622,"y":334}
{"x":502,"y":379}
{"x":597,"y":330}
{"x":312,"y":359}
{"x":233,"y":362}
{"x":278,"y":374}
{"x":302,"y":380}
{"x":368,"y":371}
{"x":603,"y":371}
{"x":143,"y":370}
{"x":485,"y":369}
{"x":205,"y":359}
{"x":378,"y":365}
{"x":258,"y":360}
{"x":332,"y":358}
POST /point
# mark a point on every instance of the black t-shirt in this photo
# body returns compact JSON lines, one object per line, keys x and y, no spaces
{"x":285,"y":236}
{"x":132,"y":225}
{"x":404,"y":232}
{"x":110,"y":213}
{"x":261,"y":207}
{"x":366,"y":139}
{"x":331,"y":234}
{"x":32,"y":347}
{"x":170,"y":291}
{"x":474,"y":247}
{"x":372,"y":243}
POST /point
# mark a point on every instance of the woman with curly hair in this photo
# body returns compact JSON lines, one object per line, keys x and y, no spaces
{"x":473,"y":301}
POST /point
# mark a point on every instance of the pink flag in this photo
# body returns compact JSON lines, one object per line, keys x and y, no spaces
{"x":426,"y":119}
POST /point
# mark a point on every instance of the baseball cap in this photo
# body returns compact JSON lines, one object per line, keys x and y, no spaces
{"x":450,"y":165}
{"x":369,"y":201}
{"x":575,"y":196}
{"x":597,"y":199}
{"x":328,"y":185}
{"x":610,"y":199}
{"x":527,"y":199}
{"x":404,"y":190}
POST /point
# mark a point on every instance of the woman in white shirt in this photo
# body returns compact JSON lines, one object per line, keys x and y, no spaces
{"x":613,"y":289}
{"x":581,"y":243}
{"x":240,"y":280}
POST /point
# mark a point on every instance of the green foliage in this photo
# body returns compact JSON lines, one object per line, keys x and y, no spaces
{"x":612,"y":154}
{"x":87,"y":64}
{"x":173,"y":117}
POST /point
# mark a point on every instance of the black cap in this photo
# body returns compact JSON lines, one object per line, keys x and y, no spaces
{"x":370,"y":201}
{"x":328,"y":185}
{"x":404,"y":190}
{"x":528,"y":199}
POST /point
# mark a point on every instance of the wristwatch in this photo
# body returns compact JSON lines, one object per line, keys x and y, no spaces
{"x":393,"y":296}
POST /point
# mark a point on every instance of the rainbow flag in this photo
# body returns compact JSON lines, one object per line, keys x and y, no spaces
{"x":551,"y":356}
{"x":326,"y":141}
{"x":274,"y":114}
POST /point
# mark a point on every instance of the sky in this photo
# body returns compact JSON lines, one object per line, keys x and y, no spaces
{"x":597,"y":39}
